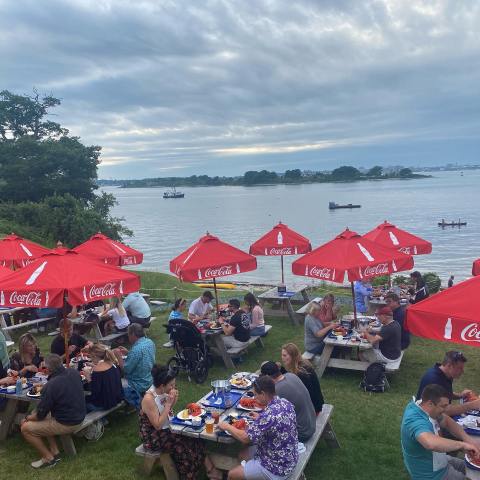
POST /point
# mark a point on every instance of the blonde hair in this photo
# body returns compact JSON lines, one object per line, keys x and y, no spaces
{"x":314,"y":307}
{"x":23,"y":341}
{"x":98,"y":350}
{"x":299,"y":365}
{"x":116,"y":302}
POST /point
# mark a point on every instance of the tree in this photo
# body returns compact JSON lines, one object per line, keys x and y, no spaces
{"x":375,"y":171}
{"x":405,"y":172}
{"x":345,"y":173}
{"x":293,"y":175}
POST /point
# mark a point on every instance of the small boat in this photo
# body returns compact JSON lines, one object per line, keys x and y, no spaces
{"x":173,"y":194}
{"x":443,"y":223}
{"x":334,"y":206}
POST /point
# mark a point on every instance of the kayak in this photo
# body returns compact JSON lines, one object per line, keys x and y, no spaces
{"x":223,"y":286}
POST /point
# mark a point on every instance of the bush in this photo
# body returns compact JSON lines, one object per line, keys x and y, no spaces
{"x":381,"y":280}
{"x":401,"y":280}
{"x":433,"y":281}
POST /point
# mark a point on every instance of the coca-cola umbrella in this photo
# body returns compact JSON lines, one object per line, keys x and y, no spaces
{"x":62,"y":276}
{"x":280,"y":241}
{"x":17,"y":252}
{"x":451,"y":315}
{"x":211,"y":258}
{"x":350,"y":253}
{"x":4,"y":272}
{"x":390,"y":236}
{"x":476,"y":267}
{"x":102,"y":248}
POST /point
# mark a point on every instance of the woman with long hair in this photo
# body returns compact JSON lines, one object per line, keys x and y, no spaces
{"x":119,"y":319}
{"x":156,"y":411}
{"x":27,"y":360}
{"x":103,"y":378}
{"x":294,"y":363}
{"x":420,"y":290}
{"x":257,"y":321}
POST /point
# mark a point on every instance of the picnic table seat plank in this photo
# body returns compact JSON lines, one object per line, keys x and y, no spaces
{"x":151,"y":458}
{"x":254,"y":339}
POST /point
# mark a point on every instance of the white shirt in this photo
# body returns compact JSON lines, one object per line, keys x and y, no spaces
{"x":198,"y":308}
{"x":120,"y":321}
{"x":160,"y":401}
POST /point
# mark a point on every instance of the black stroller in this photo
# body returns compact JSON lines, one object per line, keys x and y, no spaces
{"x":190,"y":350}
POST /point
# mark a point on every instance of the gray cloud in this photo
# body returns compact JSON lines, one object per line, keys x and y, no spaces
{"x":181,"y":87}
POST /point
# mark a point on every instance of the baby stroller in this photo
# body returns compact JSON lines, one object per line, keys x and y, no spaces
{"x":190,"y":350}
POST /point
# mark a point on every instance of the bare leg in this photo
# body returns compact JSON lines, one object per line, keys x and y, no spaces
{"x":245,"y":454}
{"x":37,"y":443}
{"x":236,"y":473}
{"x":212,"y":472}
{"x":53,"y":445}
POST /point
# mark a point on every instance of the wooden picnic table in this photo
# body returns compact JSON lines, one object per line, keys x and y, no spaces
{"x":214,"y":339}
{"x":3,"y":321}
{"x":273,"y":296}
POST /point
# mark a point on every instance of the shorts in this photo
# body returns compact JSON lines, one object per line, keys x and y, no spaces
{"x":48,"y":427}
{"x":231,"y":342}
{"x":253,"y":470}
{"x":375,"y":355}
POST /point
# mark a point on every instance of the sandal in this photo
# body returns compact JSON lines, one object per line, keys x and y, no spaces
{"x":215,"y":474}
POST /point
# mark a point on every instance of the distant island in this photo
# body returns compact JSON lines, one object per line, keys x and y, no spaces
{"x":264,"y":177}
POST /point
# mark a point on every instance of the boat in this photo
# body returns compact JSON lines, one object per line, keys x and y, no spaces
{"x":443,"y":223}
{"x":220,"y":286}
{"x":173,"y":194}
{"x":334,"y":206}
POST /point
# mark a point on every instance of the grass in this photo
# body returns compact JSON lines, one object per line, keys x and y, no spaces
{"x":367,"y":425}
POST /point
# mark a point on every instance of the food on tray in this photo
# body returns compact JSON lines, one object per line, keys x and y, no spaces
{"x":214,"y":325}
{"x":240,"y":382}
{"x":340,"y":331}
{"x":194,"y":409}
{"x":248,"y":402}
{"x":36,"y":390}
{"x":241,"y":424}
{"x":470,"y":397}
{"x":473,"y":459}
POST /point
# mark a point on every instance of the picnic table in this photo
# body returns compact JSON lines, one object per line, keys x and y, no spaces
{"x":273,"y":296}
{"x":3,"y":321}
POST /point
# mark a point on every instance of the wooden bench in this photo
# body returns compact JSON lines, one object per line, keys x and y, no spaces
{"x":303,"y":310}
{"x":29,"y":323}
{"x":323,"y":430}
{"x":257,"y":340}
{"x":164,"y":459}
{"x":158,"y":303}
{"x":67,"y":440}
{"x":109,"y":339}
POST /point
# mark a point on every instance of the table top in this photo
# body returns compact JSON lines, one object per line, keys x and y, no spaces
{"x":273,"y":293}
{"x":4,"y":310}
{"x":347,"y":343}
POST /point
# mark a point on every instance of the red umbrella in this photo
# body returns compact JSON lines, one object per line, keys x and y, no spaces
{"x":16,"y":252}
{"x":4,"y":272}
{"x":47,"y":281}
{"x":281,"y":240}
{"x":211,"y":258}
{"x":354,"y":255}
{"x":476,"y":267}
{"x":104,"y":249}
{"x":451,"y":315}
{"x":390,"y":236}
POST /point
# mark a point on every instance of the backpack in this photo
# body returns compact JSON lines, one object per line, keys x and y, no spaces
{"x":374,"y":379}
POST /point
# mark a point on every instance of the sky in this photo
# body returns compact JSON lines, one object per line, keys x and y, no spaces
{"x":176,"y":88}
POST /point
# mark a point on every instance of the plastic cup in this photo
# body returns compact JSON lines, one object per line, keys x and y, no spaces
{"x":216,"y":416}
{"x":209,"y":425}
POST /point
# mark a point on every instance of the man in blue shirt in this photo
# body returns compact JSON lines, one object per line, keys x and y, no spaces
{"x":137,"y":309}
{"x":362,"y":289}
{"x":424,"y":451}
{"x":443,"y":374}
{"x":137,"y":367}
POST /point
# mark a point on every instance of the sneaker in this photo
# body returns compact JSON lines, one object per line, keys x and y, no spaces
{"x":44,"y":463}
{"x":168,"y":344}
{"x":57,"y":457}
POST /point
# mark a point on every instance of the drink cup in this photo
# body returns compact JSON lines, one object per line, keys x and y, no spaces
{"x":209,"y":425}
{"x":216,"y":416}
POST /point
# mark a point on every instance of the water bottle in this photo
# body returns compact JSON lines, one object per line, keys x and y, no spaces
{"x":18,"y":386}
{"x":227,"y":398}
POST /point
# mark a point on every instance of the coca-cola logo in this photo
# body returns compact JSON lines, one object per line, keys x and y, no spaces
{"x":281,"y":251}
{"x":219,"y":271}
{"x":320,"y":272}
{"x":471,"y":333}
{"x":379,"y":269}
{"x":33,"y":299}
{"x":405,"y":250}
{"x":129,"y":261}
{"x":107,"y":290}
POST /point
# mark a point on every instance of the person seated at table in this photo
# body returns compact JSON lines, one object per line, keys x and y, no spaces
{"x":420,"y":289}
{"x":138,"y":364}
{"x":119,"y":319}
{"x":425,"y":452}
{"x":137,"y":308}
{"x":178,"y":309}
{"x":387,"y":342}
{"x":294,"y":363}
{"x":60,"y":411}
{"x":156,"y":411}
{"x":444,"y":374}
{"x":362,"y":290}
{"x":237,"y":330}
{"x":27,"y":360}
{"x":316,"y":329}
{"x":290,"y":387}
{"x":75,"y":341}
{"x":255,"y":312}
{"x":201,"y":307}
{"x":273,"y":433}
{"x":328,"y":310}
{"x":393,"y":302}
{"x":104,"y":379}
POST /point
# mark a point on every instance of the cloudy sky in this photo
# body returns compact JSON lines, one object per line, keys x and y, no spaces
{"x":220,"y":87}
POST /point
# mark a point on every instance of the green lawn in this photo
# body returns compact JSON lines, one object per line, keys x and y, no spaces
{"x":367,"y":425}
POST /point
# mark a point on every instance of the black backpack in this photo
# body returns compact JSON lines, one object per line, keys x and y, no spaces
{"x":374,"y":379}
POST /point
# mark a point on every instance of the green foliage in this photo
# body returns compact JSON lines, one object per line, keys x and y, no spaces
{"x":433,"y":281}
{"x":401,"y":280}
{"x":375,"y":171}
{"x":345,"y":173}
{"x":262,"y":177}
{"x":380,"y":280}
{"x":405,"y":172}
{"x":293,"y":175}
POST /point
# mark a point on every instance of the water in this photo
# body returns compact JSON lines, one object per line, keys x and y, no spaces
{"x":240,"y":215}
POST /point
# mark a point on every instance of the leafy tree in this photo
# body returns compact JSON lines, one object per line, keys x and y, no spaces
{"x":375,"y":171}
{"x":405,"y":172}
{"x":345,"y":173}
{"x":293,"y":175}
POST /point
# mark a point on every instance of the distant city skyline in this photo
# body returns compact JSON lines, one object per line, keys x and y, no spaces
{"x":183,"y":88}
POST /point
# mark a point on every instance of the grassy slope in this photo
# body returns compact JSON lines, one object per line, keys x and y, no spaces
{"x":367,"y":425}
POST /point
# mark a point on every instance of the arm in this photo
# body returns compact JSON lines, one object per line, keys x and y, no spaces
{"x":131,"y":362}
{"x":150,"y":409}
{"x":433,"y":442}
{"x":373,"y":338}
{"x":228,"y":329}
{"x":240,"y":435}
{"x":459,"y":408}
{"x":454,"y":428}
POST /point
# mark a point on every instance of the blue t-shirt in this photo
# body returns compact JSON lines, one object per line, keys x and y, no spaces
{"x":174,"y":314}
{"x":136,"y":305}
{"x":361,"y":291}
{"x":422,"y":464}
{"x":436,"y":376}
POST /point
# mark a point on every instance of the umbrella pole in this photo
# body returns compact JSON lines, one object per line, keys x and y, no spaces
{"x":281,"y":259}
{"x":354,"y":306}
{"x":216,"y":296}
{"x":65,"y":327}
